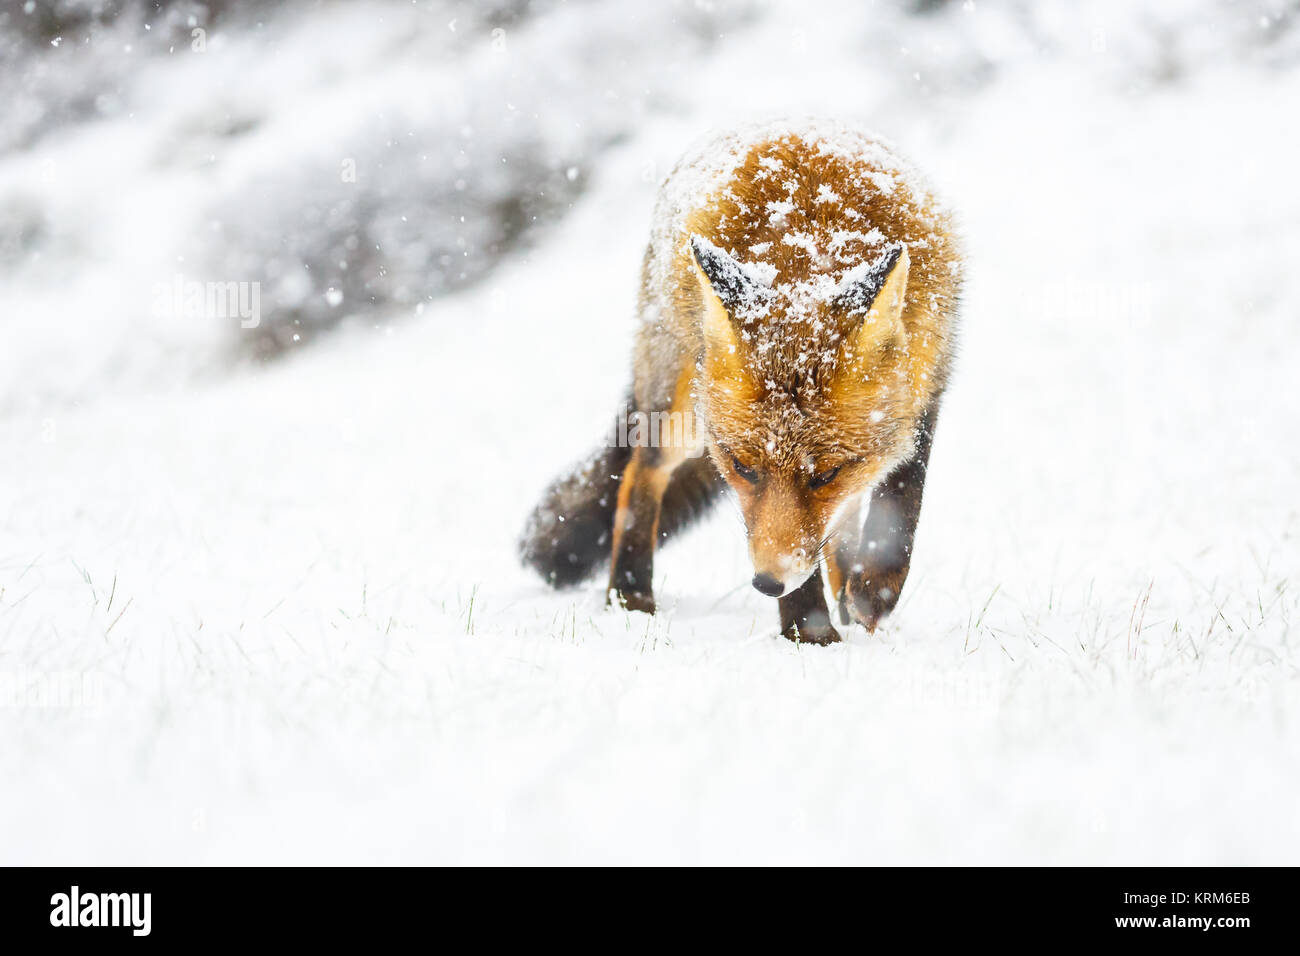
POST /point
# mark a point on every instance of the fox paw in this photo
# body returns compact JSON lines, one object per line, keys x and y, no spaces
{"x":814,"y":629}
{"x":631,"y":600}
{"x":871,"y":595}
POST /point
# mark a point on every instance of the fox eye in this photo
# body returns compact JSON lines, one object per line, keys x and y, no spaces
{"x":749,"y":474}
{"x":823,"y":478}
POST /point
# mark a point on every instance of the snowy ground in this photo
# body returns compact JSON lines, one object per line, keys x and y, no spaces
{"x":273,"y":614}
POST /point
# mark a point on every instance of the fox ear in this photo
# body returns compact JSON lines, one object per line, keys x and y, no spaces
{"x":737,"y":290}
{"x":876,"y":290}
{"x":716,"y":271}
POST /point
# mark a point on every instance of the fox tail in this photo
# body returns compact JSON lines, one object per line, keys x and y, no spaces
{"x":568,"y":537}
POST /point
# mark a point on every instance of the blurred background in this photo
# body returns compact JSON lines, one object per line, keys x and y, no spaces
{"x":361,"y":160}
{"x":302,"y":303}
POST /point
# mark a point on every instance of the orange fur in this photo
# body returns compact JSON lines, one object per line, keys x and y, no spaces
{"x":797,"y":382}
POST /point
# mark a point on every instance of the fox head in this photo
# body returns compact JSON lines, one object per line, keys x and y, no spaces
{"x":809,"y":397}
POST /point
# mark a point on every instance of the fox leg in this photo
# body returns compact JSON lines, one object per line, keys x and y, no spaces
{"x":641,"y":495}
{"x":804,"y":616}
{"x":876,"y":575}
{"x":636,"y":528}
{"x":841,"y":554}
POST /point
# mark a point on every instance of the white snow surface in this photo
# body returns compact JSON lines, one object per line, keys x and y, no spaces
{"x":287,"y":601}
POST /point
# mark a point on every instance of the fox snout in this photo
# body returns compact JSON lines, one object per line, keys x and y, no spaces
{"x":782,"y":539}
{"x":778,"y":573}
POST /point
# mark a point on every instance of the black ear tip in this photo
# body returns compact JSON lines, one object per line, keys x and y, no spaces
{"x":862,"y":293}
{"x":884,"y":265}
{"x":701,"y":249}
{"x":712,"y":260}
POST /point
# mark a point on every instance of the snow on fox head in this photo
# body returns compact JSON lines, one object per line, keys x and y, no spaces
{"x":823,"y":276}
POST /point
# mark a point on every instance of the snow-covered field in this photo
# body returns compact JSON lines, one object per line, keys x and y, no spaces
{"x":272,"y":612}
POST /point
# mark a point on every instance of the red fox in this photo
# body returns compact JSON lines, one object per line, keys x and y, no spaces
{"x":798,"y":312}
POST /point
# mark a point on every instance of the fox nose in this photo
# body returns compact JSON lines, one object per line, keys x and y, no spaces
{"x":766,"y":584}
